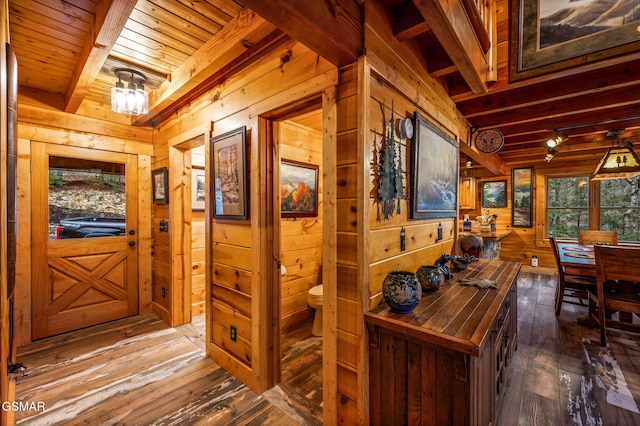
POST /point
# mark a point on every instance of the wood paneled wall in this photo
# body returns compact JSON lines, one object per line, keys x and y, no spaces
{"x":238,"y":281}
{"x":7,"y":388}
{"x":301,"y":237}
{"x":35,"y":124}
{"x":523,"y":243}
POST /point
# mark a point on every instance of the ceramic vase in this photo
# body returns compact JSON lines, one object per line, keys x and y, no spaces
{"x":402,"y":291}
{"x":471,"y":245}
{"x":430,"y":277}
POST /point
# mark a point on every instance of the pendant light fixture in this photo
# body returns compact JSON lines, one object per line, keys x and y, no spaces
{"x":619,"y":162}
{"x":133,"y":99}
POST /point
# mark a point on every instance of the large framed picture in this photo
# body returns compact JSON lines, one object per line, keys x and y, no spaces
{"x":434,"y":172}
{"x":521,"y":197}
{"x":550,"y":35}
{"x":197,"y":189}
{"x":160,"y":180}
{"x":229,"y":175}
{"x":494,"y":194}
{"x":298,"y":189}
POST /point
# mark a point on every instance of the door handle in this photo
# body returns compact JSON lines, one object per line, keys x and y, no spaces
{"x":132,"y":243}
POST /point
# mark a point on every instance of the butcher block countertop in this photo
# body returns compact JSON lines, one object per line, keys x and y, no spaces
{"x":455,"y":317}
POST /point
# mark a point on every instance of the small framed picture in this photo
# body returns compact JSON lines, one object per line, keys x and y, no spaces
{"x":229,"y":180}
{"x":197,"y":189}
{"x":522,"y":197}
{"x":298,"y":189}
{"x":160,"y":181}
{"x":494,"y":194}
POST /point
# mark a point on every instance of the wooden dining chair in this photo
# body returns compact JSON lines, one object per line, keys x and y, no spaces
{"x":618,"y":286}
{"x":592,"y":238}
{"x":569,"y":286}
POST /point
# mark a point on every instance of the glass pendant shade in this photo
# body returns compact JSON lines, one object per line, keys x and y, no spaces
{"x":619,"y":162}
{"x":133,"y":100}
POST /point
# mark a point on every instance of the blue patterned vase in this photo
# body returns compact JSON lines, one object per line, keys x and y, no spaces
{"x":430,"y":277}
{"x":401,"y":291}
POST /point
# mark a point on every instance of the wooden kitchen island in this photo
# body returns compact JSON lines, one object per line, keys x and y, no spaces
{"x":446,"y":362}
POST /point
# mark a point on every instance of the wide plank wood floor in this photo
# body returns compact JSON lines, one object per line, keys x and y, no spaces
{"x":552,"y":382}
{"x":138,"y":371}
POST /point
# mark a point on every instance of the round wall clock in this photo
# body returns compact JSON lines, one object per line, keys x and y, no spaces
{"x":489,"y":140}
{"x":406,"y":128}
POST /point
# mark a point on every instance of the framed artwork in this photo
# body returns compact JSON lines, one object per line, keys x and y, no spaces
{"x":544,"y":40}
{"x":298,"y":189}
{"x":522,"y":197}
{"x":229,"y":175}
{"x":434,"y":172}
{"x":494,"y":193}
{"x":160,"y":180}
{"x":197,"y":189}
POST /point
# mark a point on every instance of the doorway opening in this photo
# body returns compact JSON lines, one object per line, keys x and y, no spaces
{"x":298,"y":158}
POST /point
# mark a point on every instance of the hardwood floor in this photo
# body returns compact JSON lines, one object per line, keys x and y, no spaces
{"x":552,"y":382}
{"x":138,"y":371}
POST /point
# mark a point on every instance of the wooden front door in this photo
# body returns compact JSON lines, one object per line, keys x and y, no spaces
{"x":88,"y":276}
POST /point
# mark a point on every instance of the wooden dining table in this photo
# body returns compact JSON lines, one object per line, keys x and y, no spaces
{"x":577,"y":259}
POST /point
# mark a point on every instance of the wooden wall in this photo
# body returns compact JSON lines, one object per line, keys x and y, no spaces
{"x":7,"y":388}
{"x":300,"y":237}
{"x":523,"y":243}
{"x":34,"y":124}
{"x":197,"y":245}
{"x":238,"y":284}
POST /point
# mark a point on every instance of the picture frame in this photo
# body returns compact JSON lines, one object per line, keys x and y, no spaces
{"x":160,"y":182}
{"x":298,"y":189}
{"x":229,"y":175}
{"x":197,"y":189}
{"x":536,"y":51}
{"x":434,"y":171}
{"x":494,"y":194}
{"x":522,"y":197}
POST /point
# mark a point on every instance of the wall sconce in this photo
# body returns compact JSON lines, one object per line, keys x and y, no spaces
{"x":550,"y":154}
{"x":133,"y":99}
{"x":556,"y":140}
{"x":619,"y":162}
{"x":469,"y":163}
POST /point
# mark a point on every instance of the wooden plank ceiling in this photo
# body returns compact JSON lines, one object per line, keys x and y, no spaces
{"x":67,"y":51}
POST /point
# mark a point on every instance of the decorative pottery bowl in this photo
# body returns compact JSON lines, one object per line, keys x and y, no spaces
{"x":430,"y":277}
{"x":402,"y":291}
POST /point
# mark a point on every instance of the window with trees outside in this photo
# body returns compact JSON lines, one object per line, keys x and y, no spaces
{"x":576,"y":202}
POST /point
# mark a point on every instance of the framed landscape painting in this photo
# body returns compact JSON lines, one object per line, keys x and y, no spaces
{"x":197,"y":189}
{"x":550,"y":35}
{"x":229,"y":175}
{"x":298,"y":189}
{"x":494,"y":194}
{"x":434,"y":172}
{"x":521,"y":197}
{"x":160,"y":180}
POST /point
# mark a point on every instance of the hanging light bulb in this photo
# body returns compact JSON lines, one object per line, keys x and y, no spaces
{"x":133,"y":100}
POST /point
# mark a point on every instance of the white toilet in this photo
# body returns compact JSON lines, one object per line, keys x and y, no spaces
{"x":315,"y":301}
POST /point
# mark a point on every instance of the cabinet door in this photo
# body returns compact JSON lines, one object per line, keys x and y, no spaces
{"x":468,"y":193}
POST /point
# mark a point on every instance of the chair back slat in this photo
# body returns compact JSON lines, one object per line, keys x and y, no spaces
{"x":617,"y":263}
{"x":593,"y":238}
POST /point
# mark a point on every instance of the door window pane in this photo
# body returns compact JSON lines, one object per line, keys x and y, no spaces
{"x":86,"y":198}
{"x":567,"y":205}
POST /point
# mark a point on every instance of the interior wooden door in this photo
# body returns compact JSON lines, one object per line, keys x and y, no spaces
{"x":82,"y":280}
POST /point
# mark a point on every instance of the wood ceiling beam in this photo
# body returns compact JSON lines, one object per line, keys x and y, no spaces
{"x":450,"y":24}
{"x":333,"y":29}
{"x":492,"y":162}
{"x":407,"y":21}
{"x":224,"y":52}
{"x":537,"y":91}
{"x":111,"y":17}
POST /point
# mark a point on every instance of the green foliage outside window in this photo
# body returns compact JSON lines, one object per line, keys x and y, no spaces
{"x":568,"y":206}
{"x":620,"y":207}
{"x":567,"y":203}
